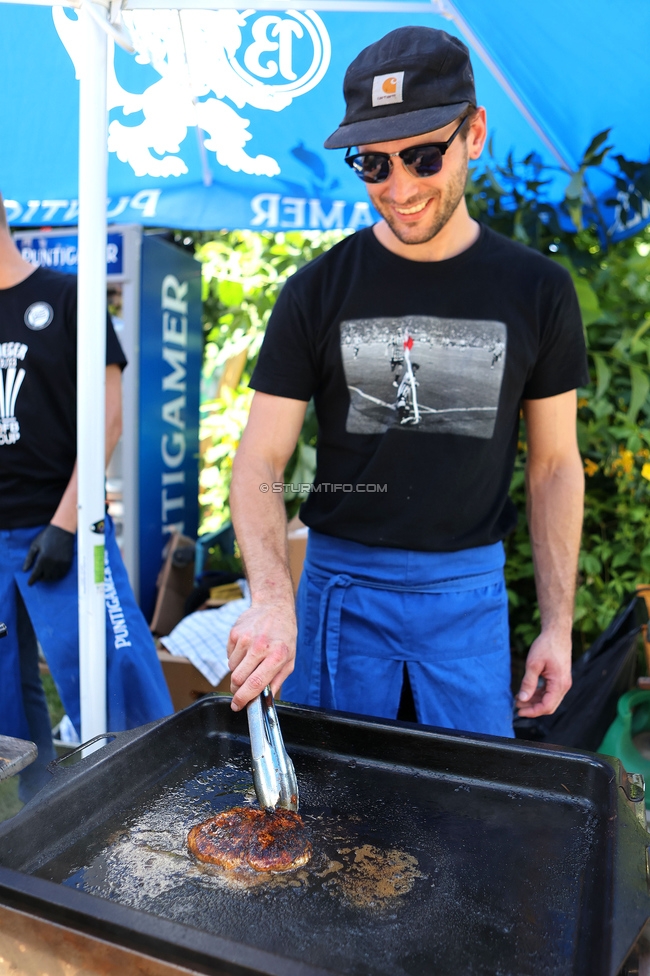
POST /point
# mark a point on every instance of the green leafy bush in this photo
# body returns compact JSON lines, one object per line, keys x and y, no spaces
{"x":613,"y":286}
{"x":243,"y":273}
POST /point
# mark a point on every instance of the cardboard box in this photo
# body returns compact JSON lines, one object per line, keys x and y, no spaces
{"x":186,"y":684}
{"x":297,"y":534}
{"x":175,"y":584}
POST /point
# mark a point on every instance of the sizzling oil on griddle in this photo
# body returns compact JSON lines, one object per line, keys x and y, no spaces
{"x":149,"y":856}
{"x":402,"y":881}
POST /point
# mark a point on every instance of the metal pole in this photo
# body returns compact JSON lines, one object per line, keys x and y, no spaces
{"x":91,"y":374}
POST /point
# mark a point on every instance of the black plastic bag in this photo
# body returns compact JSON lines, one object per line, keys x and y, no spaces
{"x":603,"y":673}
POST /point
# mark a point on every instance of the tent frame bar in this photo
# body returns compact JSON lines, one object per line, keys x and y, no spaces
{"x":499,"y":76}
{"x":350,"y":6}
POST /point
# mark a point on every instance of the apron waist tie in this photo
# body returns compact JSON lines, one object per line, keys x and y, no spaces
{"x":328,"y":634}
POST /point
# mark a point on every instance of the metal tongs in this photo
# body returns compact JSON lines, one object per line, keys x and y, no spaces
{"x":273,"y":772}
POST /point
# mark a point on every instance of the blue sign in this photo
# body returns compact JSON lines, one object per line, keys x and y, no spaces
{"x":170,"y":370}
{"x":60,"y":253}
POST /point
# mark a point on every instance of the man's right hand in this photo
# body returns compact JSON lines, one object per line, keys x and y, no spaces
{"x":261,"y":650}
{"x":51,"y":552}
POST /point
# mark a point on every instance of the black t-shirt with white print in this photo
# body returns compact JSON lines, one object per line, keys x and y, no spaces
{"x":38,"y":383}
{"x":418,"y":370}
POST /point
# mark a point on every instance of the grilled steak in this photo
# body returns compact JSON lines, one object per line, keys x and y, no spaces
{"x":278,"y":842}
{"x":224,"y":839}
{"x":273,"y":841}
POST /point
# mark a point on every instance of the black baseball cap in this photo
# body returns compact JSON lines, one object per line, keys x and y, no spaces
{"x":413,"y":80}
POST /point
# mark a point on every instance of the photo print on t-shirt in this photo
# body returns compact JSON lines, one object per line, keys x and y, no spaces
{"x":420,"y":372}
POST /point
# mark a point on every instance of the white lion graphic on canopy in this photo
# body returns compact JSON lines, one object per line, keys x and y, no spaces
{"x":195,"y":54}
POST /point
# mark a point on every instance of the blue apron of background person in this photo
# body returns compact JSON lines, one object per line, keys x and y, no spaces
{"x":136,"y":688}
{"x":364,"y":614}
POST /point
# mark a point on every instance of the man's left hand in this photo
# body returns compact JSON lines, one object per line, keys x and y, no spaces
{"x":549,"y":659}
{"x":51,"y":554}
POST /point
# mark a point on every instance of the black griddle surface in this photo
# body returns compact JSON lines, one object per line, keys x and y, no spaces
{"x":434,"y":853}
{"x":414,"y":871}
{"x":454,"y":833}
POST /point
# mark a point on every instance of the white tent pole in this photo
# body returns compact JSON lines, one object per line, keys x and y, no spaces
{"x":91,"y":373}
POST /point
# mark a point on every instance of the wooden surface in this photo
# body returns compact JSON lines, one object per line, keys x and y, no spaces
{"x":15,"y":754}
{"x":30,"y":946}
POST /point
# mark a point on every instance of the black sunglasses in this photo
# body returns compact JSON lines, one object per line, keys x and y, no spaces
{"x":424,"y":160}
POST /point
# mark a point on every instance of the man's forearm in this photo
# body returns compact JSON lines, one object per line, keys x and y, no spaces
{"x":262,"y":643}
{"x":259,"y":519}
{"x":555,"y":499}
{"x":66,"y":514}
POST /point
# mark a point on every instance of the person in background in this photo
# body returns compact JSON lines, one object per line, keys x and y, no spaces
{"x":421,"y":339}
{"x":38,"y":518}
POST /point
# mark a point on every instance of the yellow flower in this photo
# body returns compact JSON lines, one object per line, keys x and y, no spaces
{"x":591,"y":467}
{"x":582,"y":402}
{"x":627,"y":460}
{"x":645,"y":471}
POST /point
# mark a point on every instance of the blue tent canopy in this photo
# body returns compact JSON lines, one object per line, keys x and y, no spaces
{"x":578,"y":66}
{"x":219,"y":118}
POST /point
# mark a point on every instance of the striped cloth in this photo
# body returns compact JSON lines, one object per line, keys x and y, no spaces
{"x":202,"y":637}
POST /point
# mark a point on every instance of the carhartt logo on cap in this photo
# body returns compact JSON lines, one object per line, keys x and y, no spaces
{"x":387,"y":89}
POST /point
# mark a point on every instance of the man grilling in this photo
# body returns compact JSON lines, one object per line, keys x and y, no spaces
{"x":404,"y":569}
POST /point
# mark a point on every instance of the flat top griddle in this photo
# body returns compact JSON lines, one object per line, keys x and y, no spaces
{"x":432,"y":853}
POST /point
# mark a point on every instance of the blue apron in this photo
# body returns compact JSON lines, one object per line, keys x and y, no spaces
{"x":136,"y":688}
{"x":365,"y":613}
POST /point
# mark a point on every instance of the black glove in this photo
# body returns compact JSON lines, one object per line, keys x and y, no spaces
{"x":51,"y":552}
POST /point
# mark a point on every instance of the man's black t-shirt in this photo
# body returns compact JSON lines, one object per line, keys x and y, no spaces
{"x":38,"y":383}
{"x":418,"y":370}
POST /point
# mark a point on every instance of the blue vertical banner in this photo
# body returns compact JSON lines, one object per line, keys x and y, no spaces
{"x":170,"y":371}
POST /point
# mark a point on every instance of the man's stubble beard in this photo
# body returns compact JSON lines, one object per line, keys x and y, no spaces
{"x":448,"y":202}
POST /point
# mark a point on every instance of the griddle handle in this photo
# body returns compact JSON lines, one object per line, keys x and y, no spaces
{"x":55,"y":767}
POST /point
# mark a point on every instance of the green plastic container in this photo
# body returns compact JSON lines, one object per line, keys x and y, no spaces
{"x":628,"y":737}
